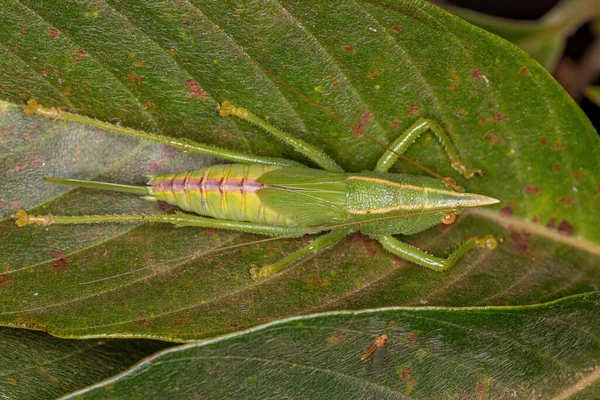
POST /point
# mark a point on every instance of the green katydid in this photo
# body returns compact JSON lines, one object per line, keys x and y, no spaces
{"x":279,"y":197}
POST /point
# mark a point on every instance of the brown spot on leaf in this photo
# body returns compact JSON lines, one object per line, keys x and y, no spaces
{"x":520,"y":242}
{"x":555,"y":168}
{"x":134,"y":78}
{"x":54,"y":33}
{"x":370,"y":246}
{"x":348,"y":48}
{"x":566,"y":201}
{"x":557,"y":146}
{"x":143,"y":322}
{"x":476,"y":74}
{"x":565,"y":228}
{"x":506,"y":211}
{"x":60,"y":262}
{"x":524,"y":71}
{"x":149,"y":106}
{"x":412,"y":337}
{"x":186,"y":21}
{"x":544,"y":142}
{"x":532,"y":189}
{"x":81,"y":53}
{"x":396,"y":123}
{"x":498,"y":117}
{"x":362,"y":123}
{"x":397,"y":28}
{"x":23,"y":31}
{"x":373,"y":75}
{"x":452,"y":85}
{"x":196,"y":91}
{"x":4,"y":280}
{"x":483,"y":121}
{"x":493,"y":139}
{"x":412,"y":109}
{"x":577,"y":174}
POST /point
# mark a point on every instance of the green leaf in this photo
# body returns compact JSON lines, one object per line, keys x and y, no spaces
{"x":164,"y":67}
{"x":544,"y":39}
{"x":34,"y":365}
{"x":483,"y":353}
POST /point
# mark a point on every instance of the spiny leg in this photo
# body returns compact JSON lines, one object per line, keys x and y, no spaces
{"x":413,"y":254}
{"x":314,"y":154}
{"x":314,"y":246}
{"x":186,"y":145}
{"x":405,"y":140}
{"x":178,"y":219}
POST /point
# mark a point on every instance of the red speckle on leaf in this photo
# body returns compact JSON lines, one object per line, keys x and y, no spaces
{"x":54,"y":33}
{"x":348,"y":48}
{"x":363,"y":121}
{"x":476,"y":74}
{"x":498,"y":117}
{"x":396,"y":123}
{"x":370,"y":246}
{"x":555,"y":168}
{"x":557,"y":146}
{"x":186,"y":21}
{"x":143,"y":322}
{"x":134,"y":78}
{"x":565,"y":228}
{"x":406,"y":373}
{"x":397,"y":28}
{"x":544,"y":142}
{"x":524,"y":71}
{"x":493,"y":139}
{"x":412,"y":337}
{"x":577,"y":174}
{"x":60,"y":262}
{"x":566,"y":201}
{"x":532,"y":189}
{"x":23,"y":31}
{"x":411,"y":110}
{"x":81,"y":53}
{"x":196,"y":91}
{"x":506,"y":211}
{"x":521,"y":242}
{"x":483,"y":121}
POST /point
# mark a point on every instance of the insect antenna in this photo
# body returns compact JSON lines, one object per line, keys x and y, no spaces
{"x":359,"y":128}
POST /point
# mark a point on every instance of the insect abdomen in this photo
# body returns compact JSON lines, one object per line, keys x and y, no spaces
{"x":220,"y":191}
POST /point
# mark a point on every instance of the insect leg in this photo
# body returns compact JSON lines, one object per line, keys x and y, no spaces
{"x":317,"y":156}
{"x":185,"y":145}
{"x":421,"y":126}
{"x":178,"y":219}
{"x":314,"y":246}
{"x":413,"y":254}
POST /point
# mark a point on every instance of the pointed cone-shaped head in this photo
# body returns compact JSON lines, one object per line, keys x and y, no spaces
{"x":440,"y":199}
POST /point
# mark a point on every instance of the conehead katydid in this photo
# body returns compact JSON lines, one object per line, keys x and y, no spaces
{"x":279,"y":197}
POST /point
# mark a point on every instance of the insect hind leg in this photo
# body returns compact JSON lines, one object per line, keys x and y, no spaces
{"x":409,"y":136}
{"x":314,"y":246}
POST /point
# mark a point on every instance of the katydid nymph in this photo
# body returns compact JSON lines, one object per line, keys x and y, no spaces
{"x":283,"y":198}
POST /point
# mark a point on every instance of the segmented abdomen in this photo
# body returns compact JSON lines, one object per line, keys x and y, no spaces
{"x":221,"y":191}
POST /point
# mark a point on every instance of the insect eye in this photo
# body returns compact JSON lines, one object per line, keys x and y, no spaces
{"x":449,"y":218}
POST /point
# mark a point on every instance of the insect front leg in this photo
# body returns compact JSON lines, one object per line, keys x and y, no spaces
{"x":317,"y":156}
{"x":314,"y":246}
{"x":405,"y":140}
{"x":413,"y":254}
